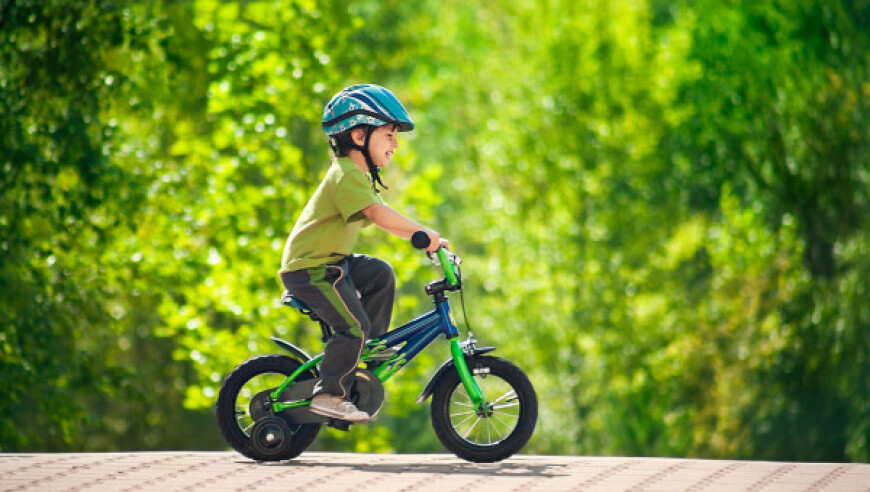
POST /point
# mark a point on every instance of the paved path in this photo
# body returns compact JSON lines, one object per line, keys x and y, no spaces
{"x":335,"y":472}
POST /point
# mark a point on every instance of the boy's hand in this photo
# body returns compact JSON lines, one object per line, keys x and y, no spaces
{"x":429,"y":241}
{"x":436,"y":241}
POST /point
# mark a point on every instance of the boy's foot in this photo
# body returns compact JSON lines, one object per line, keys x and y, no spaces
{"x":337,"y":408}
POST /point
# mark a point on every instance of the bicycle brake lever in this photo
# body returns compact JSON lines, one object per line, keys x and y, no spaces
{"x":453,"y":257}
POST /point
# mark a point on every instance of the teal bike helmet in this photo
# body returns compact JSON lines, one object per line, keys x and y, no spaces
{"x":369,"y":106}
{"x":364,"y":104}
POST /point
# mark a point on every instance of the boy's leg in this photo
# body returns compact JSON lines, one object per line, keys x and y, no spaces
{"x":330,"y":293}
{"x":376,"y":283}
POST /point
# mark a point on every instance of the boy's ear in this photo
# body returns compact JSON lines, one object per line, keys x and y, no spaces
{"x":359,"y":136}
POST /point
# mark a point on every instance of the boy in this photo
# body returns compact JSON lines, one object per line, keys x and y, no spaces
{"x":353,"y":293}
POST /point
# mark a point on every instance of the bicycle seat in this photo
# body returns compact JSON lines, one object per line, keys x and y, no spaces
{"x":288,"y":300}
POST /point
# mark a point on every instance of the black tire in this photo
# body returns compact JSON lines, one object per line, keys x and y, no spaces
{"x":500,"y":432}
{"x":233,"y":407}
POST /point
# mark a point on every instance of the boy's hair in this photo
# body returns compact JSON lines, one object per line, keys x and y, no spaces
{"x":342,"y":143}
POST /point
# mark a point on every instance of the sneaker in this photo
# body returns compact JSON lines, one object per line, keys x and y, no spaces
{"x":337,"y":407}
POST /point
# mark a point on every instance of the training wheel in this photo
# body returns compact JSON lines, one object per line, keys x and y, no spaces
{"x":271,"y":438}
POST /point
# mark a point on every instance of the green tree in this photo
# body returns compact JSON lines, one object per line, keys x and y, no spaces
{"x":81,"y":369}
{"x":778,"y":111}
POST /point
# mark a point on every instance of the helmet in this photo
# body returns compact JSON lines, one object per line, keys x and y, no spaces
{"x":364,"y":104}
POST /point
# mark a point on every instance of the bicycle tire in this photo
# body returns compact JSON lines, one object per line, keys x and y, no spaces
{"x":452,"y":414}
{"x":232,"y":413}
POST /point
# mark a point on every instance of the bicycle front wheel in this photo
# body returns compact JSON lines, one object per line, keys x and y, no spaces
{"x":493,"y":433}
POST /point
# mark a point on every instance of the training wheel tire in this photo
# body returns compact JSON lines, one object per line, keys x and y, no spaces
{"x":271,"y":439}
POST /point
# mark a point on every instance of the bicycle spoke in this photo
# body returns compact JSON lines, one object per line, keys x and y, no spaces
{"x":466,"y":419}
{"x":462,"y":397}
{"x":464,"y":422}
{"x":509,"y":394}
{"x":507,"y":427}
{"x":473,"y":426}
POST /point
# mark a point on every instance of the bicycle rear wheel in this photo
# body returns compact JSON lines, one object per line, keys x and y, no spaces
{"x":490,"y":434}
{"x":236,"y":422}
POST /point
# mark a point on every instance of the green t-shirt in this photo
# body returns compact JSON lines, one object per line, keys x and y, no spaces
{"x":330,"y":223}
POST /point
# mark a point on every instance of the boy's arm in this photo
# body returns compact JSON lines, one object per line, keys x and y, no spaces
{"x":398,"y":225}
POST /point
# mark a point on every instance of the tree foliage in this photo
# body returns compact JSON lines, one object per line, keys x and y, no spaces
{"x":660,"y":206}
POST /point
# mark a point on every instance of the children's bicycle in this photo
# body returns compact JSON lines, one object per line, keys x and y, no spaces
{"x":484,"y":408}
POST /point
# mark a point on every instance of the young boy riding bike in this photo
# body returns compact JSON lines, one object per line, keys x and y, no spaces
{"x":353,"y":293}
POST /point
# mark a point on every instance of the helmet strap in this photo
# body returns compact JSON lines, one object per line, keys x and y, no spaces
{"x":374,"y":172}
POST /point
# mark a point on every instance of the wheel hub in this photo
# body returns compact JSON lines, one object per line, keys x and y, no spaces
{"x":261,"y":405}
{"x":485,"y":410}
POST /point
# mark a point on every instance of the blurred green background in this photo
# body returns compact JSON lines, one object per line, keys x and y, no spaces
{"x":662,"y":207}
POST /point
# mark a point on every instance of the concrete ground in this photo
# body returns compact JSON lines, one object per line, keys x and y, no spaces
{"x":225,"y":471}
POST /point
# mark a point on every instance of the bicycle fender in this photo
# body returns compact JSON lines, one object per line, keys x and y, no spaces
{"x":293,"y":349}
{"x":445,"y":368}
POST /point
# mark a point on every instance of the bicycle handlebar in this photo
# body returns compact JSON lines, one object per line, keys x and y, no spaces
{"x":420,"y":240}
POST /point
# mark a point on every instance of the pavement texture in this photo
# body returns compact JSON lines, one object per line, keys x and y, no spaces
{"x":226,"y":471}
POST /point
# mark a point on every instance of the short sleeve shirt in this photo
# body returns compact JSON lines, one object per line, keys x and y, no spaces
{"x":329,"y":226}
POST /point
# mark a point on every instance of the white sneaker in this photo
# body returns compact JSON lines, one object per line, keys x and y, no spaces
{"x":338,"y":408}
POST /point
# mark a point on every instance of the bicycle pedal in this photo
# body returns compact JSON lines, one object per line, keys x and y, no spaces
{"x":342,"y":425}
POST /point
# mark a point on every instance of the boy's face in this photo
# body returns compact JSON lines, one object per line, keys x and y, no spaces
{"x":382,"y":145}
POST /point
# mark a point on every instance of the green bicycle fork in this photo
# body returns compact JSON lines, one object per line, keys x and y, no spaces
{"x":465,"y":376}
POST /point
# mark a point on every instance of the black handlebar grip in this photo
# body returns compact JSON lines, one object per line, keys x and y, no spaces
{"x":420,"y":240}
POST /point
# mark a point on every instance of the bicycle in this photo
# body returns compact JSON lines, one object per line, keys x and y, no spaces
{"x":484,"y":408}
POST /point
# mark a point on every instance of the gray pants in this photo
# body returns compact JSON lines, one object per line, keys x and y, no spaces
{"x":354,"y":297}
